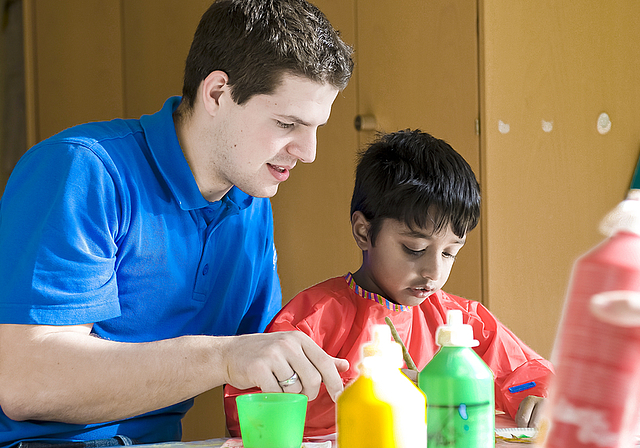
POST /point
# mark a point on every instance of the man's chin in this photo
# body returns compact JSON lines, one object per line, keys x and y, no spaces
{"x":262,"y":192}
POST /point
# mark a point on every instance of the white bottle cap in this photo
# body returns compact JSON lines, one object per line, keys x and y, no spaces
{"x":383,"y":345}
{"x":625,"y":217}
{"x":455,"y":333}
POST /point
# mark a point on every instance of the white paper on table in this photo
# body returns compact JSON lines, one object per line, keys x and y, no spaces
{"x":516,"y":432}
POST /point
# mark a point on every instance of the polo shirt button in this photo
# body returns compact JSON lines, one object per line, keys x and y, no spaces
{"x":205,"y":269}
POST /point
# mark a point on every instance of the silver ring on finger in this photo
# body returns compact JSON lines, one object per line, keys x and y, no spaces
{"x":293,"y":379}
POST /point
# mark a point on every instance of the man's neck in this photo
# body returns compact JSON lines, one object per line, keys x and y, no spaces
{"x":188,"y":131}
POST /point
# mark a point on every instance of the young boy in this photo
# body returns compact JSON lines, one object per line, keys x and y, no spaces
{"x":414,"y":201}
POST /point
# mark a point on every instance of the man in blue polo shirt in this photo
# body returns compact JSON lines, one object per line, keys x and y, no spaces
{"x":137,"y":256}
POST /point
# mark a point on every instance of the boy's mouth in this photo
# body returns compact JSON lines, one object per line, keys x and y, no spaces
{"x":422,"y":291}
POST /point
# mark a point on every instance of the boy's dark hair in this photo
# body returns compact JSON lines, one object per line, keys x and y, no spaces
{"x":415,"y":178}
{"x":255,"y":42}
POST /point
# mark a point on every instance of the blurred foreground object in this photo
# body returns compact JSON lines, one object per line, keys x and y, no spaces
{"x":595,"y":399}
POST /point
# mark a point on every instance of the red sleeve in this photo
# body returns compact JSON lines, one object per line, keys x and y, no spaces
{"x":519,"y":371}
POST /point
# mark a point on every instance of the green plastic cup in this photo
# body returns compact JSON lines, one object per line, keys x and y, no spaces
{"x":272,"y":420}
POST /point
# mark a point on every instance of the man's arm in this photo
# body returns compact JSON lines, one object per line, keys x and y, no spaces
{"x":63,"y":373}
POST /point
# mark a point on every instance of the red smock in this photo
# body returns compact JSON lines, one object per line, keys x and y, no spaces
{"x":338,"y":315}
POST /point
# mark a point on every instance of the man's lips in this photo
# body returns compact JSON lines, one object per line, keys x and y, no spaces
{"x":280,"y":172}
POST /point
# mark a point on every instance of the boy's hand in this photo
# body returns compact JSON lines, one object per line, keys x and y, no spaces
{"x":529,"y":413}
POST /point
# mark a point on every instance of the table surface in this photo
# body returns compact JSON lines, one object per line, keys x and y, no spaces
{"x":502,"y":421}
{"x":228,"y":443}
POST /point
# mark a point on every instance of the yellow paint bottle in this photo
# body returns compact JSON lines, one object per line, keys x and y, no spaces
{"x":382,"y":407}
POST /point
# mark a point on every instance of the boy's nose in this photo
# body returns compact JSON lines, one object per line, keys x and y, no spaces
{"x":431,"y":268}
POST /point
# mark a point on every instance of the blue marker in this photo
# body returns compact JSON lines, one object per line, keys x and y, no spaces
{"x":521,"y":387}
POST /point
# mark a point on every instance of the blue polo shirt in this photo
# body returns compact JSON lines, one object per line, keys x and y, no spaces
{"x":104,"y":223}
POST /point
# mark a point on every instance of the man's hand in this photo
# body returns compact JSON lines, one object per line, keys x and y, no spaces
{"x":529,"y":413}
{"x":264,"y":360}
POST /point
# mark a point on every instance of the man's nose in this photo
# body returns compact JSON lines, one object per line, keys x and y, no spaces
{"x":304,"y":147}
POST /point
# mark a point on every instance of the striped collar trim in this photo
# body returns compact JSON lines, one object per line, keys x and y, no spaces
{"x":373,"y":296}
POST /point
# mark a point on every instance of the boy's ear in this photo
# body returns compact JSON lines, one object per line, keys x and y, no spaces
{"x":360,"y":228}
{"x":212,"y":88}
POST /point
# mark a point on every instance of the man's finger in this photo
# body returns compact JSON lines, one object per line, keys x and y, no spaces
{"x":328,"y":367}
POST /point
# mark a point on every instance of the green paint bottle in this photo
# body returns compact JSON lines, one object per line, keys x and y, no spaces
{"x":459,"y":389}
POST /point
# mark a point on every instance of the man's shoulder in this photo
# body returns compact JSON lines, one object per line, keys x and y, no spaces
{"x":99,"y":131}
{"x":105,"y":140}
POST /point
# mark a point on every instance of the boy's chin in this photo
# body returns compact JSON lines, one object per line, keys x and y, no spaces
{"x":409,"y":301}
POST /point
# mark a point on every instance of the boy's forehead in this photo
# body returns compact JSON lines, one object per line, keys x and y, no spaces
{"x":413,"y":230}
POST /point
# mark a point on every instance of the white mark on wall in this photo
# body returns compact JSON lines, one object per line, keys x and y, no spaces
{"x":547,"y":126}
{"x":503,"y":127}
{"x":604,"y":123}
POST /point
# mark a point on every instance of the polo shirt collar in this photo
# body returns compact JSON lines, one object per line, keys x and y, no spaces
{"x":160,"y":133}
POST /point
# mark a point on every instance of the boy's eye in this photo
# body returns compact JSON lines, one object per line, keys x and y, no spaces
{"x":284,"y":125}
{"x":412,"y":251}
{"x":449,"y":255}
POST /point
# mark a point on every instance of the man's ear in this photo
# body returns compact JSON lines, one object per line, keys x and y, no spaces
{"x":360,"y":228}
{"x":212,"y":88}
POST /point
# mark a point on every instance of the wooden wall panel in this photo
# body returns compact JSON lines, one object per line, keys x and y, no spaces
{"x":556,"y":65}
{"x":13,"y":113}
{"x":77,"y":64}
{"x":157,"y":36}
{"x":205,"y":420}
